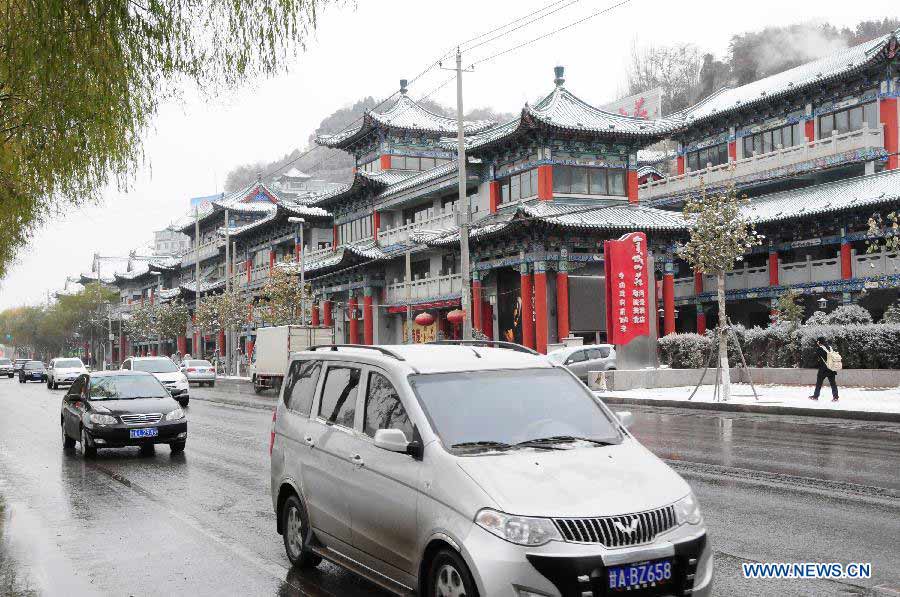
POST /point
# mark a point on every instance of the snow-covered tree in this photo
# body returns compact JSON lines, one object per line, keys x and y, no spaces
{"x":141,"y":322}
{"x":720,"y":236}
{"x":171,"y":319}
{"x":883,"y":233}
{"x":227,"y":310}
{"x":891,"y":314}
{"x":788,"y":310}
{"x":283,"y":299}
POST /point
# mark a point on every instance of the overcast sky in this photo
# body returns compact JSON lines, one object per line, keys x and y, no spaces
{"x":365,"y":51}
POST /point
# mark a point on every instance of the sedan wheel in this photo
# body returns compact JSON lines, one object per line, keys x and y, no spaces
{"x":67,"y":442}
{"x":86,"y":449}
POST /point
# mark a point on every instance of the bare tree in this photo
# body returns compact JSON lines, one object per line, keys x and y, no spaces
{"x":675,"y":68}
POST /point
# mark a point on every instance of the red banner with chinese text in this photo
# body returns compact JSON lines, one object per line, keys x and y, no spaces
{"x":629,"y":295}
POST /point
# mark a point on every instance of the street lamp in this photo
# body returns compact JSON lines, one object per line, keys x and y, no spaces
{"x":300,"y":222}
{"x":822,"y":302}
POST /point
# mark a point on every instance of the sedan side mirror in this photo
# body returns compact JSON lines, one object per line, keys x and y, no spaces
{"x":392,"y":440}
{"x":625,"y":418}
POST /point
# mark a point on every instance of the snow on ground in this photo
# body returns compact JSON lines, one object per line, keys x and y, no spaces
{"x":856,"y":399}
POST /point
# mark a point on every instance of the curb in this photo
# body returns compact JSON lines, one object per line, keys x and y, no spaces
{"x":857,"y":415}
{"x":260,"y":404}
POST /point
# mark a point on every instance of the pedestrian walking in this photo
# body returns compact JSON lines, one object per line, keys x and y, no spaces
{"x":829,"y":362}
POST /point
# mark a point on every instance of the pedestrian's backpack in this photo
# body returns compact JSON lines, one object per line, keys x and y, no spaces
{"x":833,"y":359}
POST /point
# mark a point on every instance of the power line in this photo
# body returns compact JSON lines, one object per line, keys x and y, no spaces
{"x":513,"y":22}
{"x":523,"y":25}
{"x":553,"y":32}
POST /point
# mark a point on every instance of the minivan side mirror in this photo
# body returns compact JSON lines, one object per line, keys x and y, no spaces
{"x":392,"y":440}
{"x":625,"y":418}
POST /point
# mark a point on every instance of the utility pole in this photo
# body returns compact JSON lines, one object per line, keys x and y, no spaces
{"x":408,"y":289}
{"x":466,"y":294}
{"x":300,"y":255}
{"x":227,"y":348}
{"x":197,"y":349}
{"x":232,"y":346}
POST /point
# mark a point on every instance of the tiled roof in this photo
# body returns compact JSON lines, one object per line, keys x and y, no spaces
{"x":420,"y":178}
{"x":376,"y":180}
{"x":204,"y":286}
{"x":617,"y":215}
{"x":564,"y":111}
{"x":864,"y":191}
{"x":790,"y":81}
{"x":366,"y":250}
{"x":405,"y":114}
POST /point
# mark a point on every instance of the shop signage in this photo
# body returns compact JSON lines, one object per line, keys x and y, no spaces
{"x":628,"y":291}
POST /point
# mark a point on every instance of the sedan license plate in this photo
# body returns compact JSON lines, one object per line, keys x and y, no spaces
{"x":640,"y":574}
{"x":147,"y":432}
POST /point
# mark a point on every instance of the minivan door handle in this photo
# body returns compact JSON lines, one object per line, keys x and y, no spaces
{"x":357,"y":460}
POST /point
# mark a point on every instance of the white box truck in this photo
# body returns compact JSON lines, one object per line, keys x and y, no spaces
{"x":273,"y":347}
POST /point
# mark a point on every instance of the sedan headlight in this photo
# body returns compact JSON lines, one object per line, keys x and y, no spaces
{"x":98,"y":419}
{"x":521,"y":530}
{"x":687,"y":510}
{"x":175,"y":415}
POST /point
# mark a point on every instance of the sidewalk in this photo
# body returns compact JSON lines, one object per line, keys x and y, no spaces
{"x":868,"y":404}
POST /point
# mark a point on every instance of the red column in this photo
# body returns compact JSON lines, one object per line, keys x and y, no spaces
{"x":698,"y":282}
{"x":376,"y":224}
{"x":562,"y":305}
{"x":151,"y":296}
{"x":315,"y":314}
{"x":476,"y":305}
{"x":545,"y":183}
{"x":679,"y":163}
{"x":220,"y":342}
{"x":123,"y":347}
{"x":494,"y":197}
{"x":297,"y":250}
{"x":182,"y":344}
{"x":527,"y":311}
{"x":327,"y":321}
{"x":540,"y":312}
{"x":334,"y":237}
{"x":889,"y":119}
{"x":249,"y":269}
{"x":732,"y":151}
{"x":153,"y":351}
{"x":271,"y":260}
{"x":368,"y":323}
{"x":846,"y":261}
{"x":354,"y":328}
{"x":773,"y":268}
{"x":196,"y":346}
{"x":385,"y":162}
{"x":701,"y":320}
{"x":810,"y":129}
{"x":631,"y":186}
{"x":668,"y":290}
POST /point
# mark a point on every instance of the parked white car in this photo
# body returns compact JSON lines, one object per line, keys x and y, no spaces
{"x":166,"y":372}
{"x":64,"y":371}
{"x":581,"y":360}
{"x":199,"y":371}
{"x":466,"y":470}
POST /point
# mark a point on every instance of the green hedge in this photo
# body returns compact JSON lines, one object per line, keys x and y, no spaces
{"x":865,"y":346}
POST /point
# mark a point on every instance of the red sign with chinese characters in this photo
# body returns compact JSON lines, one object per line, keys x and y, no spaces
{"x":629,"y":294}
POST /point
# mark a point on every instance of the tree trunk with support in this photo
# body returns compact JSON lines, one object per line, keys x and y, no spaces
{"x":723,"y":338}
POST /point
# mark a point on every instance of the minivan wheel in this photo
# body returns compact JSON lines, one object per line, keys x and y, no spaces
{"x":296,"y":534}
{"x":450,"y":577}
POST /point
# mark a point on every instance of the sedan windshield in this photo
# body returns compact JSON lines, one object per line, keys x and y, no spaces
{"x":34,"y":365}
{"x":126,"y":387}
{"x":68,"y":364}
{"x":154,"y":366}
{"x":500,"y":409}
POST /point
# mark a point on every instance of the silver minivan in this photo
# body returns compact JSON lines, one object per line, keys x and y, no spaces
{"x":581,"y":360}
{"x":450,"y":470}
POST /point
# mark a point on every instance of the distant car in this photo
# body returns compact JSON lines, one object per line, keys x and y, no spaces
{"x":114,"y":409}
{"x":18,"y":364}
{"x":582,"y":359}
{"x":166,"y":372}
{"x":32,"y":371}
{"x":6,"y":368}
{"x":199,"y":372}
{"x":64,"y":372}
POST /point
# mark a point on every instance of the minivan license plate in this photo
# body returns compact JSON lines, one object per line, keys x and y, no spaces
{"x":147,"y":432}
{"x":640,"y":574}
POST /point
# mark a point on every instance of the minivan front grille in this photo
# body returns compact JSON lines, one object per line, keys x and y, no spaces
{"x":141,"y":419}
{"x":618,"y":531}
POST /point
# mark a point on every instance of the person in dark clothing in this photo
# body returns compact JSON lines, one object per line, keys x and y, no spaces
{"x":824,"y":372}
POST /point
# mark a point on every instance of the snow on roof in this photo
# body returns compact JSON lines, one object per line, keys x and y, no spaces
{"x":405,"y":114}
{"x":861,"y":192}
{"x":792,"y":80}
{"x":294,"y":173}
{"x":375,"y":180}
{"x":418,"y":178}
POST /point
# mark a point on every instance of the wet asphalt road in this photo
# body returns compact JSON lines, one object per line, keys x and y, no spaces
{"x":772,"y":489}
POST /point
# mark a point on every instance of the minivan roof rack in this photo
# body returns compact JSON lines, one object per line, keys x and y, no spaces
{"x":334,"y":347}
{"x":489,"y":344}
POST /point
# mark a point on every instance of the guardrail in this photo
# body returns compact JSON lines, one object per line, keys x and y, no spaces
{"x":392,"y":236}
{"x":422,"y":288}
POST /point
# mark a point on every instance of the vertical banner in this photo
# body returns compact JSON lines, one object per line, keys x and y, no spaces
{"x":628,"y":291}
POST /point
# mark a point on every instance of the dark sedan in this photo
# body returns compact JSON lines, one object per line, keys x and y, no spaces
{"x":33,"y":371}
{"x":114,"y":409}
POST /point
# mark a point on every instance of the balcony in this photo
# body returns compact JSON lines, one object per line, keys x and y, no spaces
{"x":400,"y":234}
{"x":869,"y":265}
{"x":208,"y":249}
{"x":836,"y":144}
{"x":424,"y":288}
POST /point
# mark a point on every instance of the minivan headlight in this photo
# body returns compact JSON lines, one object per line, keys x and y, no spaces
{"x":98,"y":419}
{"x":175,"y":415}
{"x":521,"y":530}
{"x":687,"y":510}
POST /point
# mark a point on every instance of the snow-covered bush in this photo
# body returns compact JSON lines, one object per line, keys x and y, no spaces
{"x":818,"y":318}
{"x":891,"y":314}
{"x":685,"y":351}
{"x":848,"y":315}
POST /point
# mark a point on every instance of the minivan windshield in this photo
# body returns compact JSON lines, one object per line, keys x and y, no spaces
{"x":126,"y":387}
{"x":160,"y":365}
{"x":504,"y":409}
{"x":68,"y":364}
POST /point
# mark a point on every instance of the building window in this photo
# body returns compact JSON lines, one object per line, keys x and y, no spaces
{"x":852,"y":119}
{"x":588,"y":181}
{"x":518,"y":186}
{"x":354,"y":230}
{"x":774,"y":139}
{"x":715,"y":155}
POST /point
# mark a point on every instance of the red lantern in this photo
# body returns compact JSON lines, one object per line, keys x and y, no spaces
{"x":424,"y":318}
{"x":456,"y":316}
